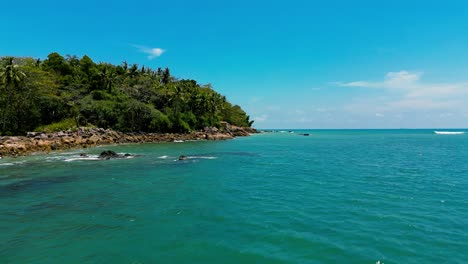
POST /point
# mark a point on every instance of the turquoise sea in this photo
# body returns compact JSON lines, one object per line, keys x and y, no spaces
{"x":336,"y":196}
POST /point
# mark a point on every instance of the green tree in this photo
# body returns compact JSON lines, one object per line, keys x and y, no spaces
{"x":61,"y":91}
{"x":107,"y":77}
{"x":57,"y":63}
{"x":11,"y":77}
{"x":166,"y":76}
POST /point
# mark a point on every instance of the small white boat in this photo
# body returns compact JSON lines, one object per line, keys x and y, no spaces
{"x":449,"y":132}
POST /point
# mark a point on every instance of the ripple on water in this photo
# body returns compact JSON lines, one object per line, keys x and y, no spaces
{"x":337,"y":197}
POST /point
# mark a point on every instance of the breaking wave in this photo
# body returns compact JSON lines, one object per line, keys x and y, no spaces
{"x":449,"y":132}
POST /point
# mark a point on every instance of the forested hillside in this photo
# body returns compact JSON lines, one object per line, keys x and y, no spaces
{"x":65,"y":92}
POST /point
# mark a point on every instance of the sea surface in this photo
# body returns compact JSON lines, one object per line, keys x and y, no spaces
{"x":335,"y":196}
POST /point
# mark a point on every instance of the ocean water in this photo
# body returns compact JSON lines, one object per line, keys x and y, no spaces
{"x":336,"y":196}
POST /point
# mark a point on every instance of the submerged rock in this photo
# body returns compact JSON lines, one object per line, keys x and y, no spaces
{"x":182,"y":157}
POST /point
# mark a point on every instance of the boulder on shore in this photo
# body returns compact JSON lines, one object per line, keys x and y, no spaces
{"x":84,"y":137}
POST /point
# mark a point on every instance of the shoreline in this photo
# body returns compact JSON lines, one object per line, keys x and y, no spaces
{"x":39,"y":142}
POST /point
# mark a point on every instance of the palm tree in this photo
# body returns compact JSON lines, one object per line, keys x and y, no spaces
{"x":133,"y":71}
{"x":10,"y":74}
{"x":166,"y":76}
{"x":11,"y":77}
{"x":178,"y":99}
{"x":214,"y":105}
{"x":107,"y":76}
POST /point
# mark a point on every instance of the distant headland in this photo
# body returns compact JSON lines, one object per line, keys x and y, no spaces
{"x":56,"y":97}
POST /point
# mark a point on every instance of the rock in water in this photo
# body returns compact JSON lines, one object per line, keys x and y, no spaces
{"x":108,"y":154}
{"x":182,"y":157}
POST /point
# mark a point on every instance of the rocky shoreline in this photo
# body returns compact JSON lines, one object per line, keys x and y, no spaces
{"x":84,"y":137}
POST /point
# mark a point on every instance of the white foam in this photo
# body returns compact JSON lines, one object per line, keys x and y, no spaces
{"x":94,"y":157}
{"x":449,"y":132}
{"x":178,"y":141}
{"x":164,"y":157}
{"x":12,"y":163}
{"x":201,"y":157}
{"x":57,"y":157}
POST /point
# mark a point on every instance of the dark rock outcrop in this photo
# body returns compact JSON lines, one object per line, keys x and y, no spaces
{"x":108,"y":154}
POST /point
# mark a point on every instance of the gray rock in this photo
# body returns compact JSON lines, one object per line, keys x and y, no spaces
{"x":108,"y":154}
{"x":31,"y":134}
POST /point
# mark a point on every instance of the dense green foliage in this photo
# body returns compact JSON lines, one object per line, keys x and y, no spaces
{"x":60,"y":92}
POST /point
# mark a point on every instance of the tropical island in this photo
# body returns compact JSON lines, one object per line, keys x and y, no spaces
{"x":64,"y":102}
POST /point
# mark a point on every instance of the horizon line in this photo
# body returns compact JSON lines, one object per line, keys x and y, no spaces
{"x":423,"y":128}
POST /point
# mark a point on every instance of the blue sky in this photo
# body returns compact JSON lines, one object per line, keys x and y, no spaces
{"x":289,"y":64}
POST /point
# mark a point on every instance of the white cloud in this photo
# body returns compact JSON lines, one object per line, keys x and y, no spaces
{"x":254,"y":100}
{"x":422,"y":104}
{"x":324,"y":109}
{"x":261,"y":118}
{"x":402,"y":78}
{"x":445,"y":115}
{"x":399,"y":80}
{"x":151,"y":52}
{"x":357,"y":84}
{"x":410,"y":92}
{"x":305,"y":119}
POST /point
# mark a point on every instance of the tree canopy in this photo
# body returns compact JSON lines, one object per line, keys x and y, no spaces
{"x":60,"y":92}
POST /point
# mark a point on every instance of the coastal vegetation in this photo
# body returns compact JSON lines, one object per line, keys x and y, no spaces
{"x":61,"y":93}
